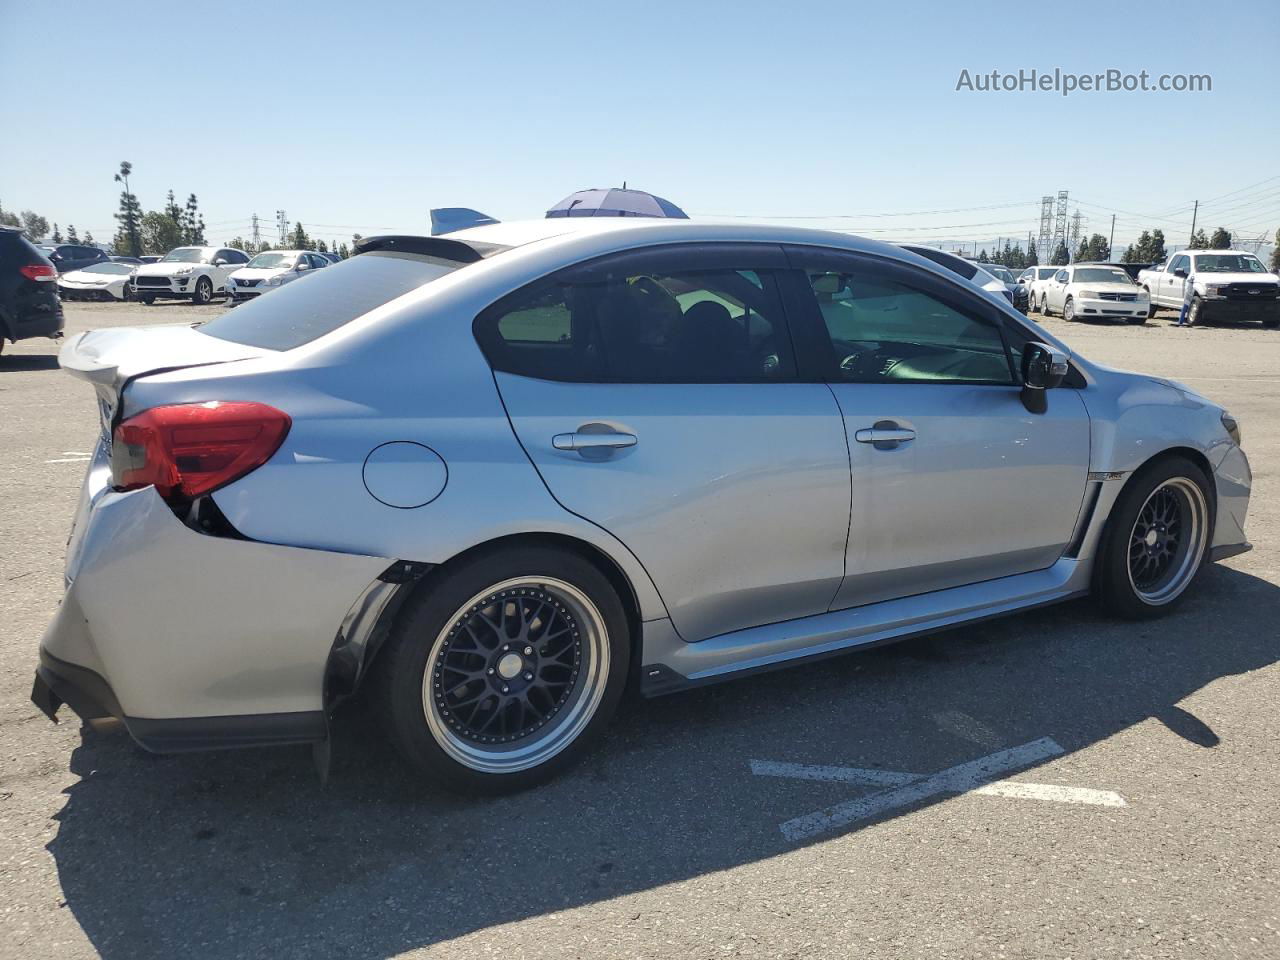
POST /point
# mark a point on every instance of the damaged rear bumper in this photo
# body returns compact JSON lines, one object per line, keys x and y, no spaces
{"x":193,"y":641}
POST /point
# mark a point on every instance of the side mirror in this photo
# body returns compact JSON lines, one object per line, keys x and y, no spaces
{"x":1180,"y":273}
{"x":1043,"y":368}
{"x":303,"y":266}
{"x":220,"y":262}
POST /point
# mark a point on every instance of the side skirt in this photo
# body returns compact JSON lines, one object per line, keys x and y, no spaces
{"x":671,"y":664}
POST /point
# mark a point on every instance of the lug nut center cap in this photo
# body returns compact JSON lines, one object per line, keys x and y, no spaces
{"x":509,"y":666}
{"x":1152,"y":538}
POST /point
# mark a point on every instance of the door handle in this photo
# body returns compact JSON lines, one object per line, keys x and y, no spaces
{"x":885,"y":435}
{"x":593,"y":441}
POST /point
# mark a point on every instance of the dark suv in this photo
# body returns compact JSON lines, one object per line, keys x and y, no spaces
{"x":73,"y":256}
{"x":29,"y":305}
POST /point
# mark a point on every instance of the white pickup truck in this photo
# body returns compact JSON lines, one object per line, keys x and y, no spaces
{"x":1226,"y":285}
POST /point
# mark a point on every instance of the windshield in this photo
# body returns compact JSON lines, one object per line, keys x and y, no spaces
{"x":185,"y":255}
{"x":120,"y":268}
{"x":298,"y":313}
{"x":1044,"y":273}
{"x":1100,"y":275}
{"x":1228,"y":263}
{"x":268,"y":260}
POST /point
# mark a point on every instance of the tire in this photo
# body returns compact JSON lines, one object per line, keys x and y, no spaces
{"x":1044,"y":305}
{"x":1151,"y":305}
{"x":1148,"y":558}
{"x":203,"y":292}
{"x":488,"y":739}
{"x":128,"y":295}
{"x":1193,"y":312}
{"x":1271,"y":324}
{"x":146,"y":299}
{"x":1137,"y":321}
{"x":1068,"y":310}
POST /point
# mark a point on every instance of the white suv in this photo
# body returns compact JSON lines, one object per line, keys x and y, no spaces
{"x":187,"y":273}
{"x":271,"y":270}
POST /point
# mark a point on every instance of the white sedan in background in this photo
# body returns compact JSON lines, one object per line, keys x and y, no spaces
{"x":270,"y":270}
{"x":99,"y":281}
{"x":1085,"y":290}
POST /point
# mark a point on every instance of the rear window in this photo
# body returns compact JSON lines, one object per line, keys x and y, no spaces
{"x":325,"y":300}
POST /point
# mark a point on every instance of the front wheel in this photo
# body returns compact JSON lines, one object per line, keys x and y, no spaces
{"x":499,"y":675}
{"x":1156,"y":539}
{"x":1069,"y":311}
{"x":1193,"y":312}
{"x":203,"y":292}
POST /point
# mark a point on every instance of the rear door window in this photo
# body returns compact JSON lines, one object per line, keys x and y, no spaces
{"x":298,"y":313}
{"x":644,"y":323}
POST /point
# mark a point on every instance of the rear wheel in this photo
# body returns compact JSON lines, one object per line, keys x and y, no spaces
{"x":1156,"y":539}
{"x":501,"y":674}
{"x":1044,"y":305}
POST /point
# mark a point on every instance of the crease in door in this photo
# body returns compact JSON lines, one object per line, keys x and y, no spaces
{"x":551,"y":493}
{"x":848,"y":529}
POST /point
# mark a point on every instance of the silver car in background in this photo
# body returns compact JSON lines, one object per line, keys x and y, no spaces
{"x":489,"y":479}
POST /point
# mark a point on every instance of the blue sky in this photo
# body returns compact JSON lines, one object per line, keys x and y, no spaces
{"x":363,"y":116}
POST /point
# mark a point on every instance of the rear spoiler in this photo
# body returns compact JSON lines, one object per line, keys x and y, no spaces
{"x":458,"y":251}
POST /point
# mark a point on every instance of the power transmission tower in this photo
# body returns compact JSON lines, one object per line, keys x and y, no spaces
{"x":257,"y":235}
{"x":282,"y":224}
{"x":1074,"y":245}
{"x":1060,"y":223}
{"x":1046,"y":229}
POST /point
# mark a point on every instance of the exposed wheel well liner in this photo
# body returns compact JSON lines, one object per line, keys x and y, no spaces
{"x":592,"y":554}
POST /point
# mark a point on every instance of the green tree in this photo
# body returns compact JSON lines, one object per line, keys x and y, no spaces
{"x":88,"y":238}
{"x":72,"y":236}
{"x":1095,"y":248}
{"x":344,"y":251}
{"x":34,"y":226}
{"x":1033,"y":259}
{"x":1275,"y":255}
{"x":57,"y":235}
{"x":160,"y":232}
{"x":1157,"y":252}
{"x":8,"y":219}
{"x":321,"y":246}
{"x":129,"y":217}
{"x":982,"y":257}
{"x":298,"y":240}
{"x":1199,"y":241}
{"x":192,"y":223}
{"x":1060,"y":256}
{"x":1221,"y":239}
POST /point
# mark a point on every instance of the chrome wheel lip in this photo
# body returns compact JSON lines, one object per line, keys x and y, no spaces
{"x":1194,"y":516}
{"x":539,"y":747}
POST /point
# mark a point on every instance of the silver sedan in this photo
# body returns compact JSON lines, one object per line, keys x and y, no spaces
{"x":489,"y":479}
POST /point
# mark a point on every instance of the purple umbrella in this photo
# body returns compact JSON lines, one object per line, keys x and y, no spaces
{"x":615,"y":202}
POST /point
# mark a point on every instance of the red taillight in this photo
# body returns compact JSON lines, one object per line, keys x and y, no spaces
{"x":190,"y":449}
{"x":38,"y":271}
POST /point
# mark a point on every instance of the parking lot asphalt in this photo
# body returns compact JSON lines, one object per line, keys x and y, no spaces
{"x":825,"y":811}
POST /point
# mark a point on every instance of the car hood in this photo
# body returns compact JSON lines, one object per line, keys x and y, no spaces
{"x":1107,"y":287}
{"x":164,"y":269}
{"x":1258,"y":278}
{"x":258,"y":273}
{"x":96,"y":279}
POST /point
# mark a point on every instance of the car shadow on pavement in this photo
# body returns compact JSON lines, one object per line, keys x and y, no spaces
{"x":14,"y":363}
{"x":245,"y":853}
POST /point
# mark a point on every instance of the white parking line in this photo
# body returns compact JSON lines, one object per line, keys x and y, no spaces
{"x":903,"y":788}
{"x":82,"y":459}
